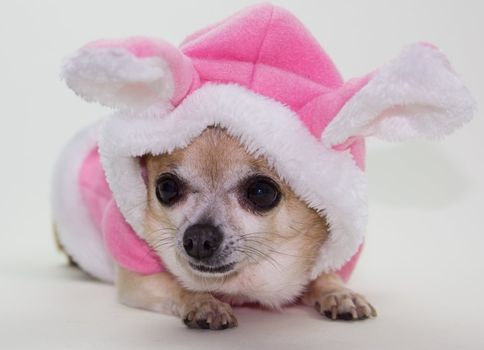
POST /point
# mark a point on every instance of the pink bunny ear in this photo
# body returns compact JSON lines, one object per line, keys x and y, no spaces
{"x":130,"y":74}
{"x":417,"y":95}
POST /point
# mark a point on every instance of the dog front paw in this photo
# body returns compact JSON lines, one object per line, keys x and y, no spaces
{"x":209,"y":313}
{"x":344,"y":305}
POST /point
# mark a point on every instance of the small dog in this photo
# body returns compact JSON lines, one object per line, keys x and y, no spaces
{"x":231,"y":170}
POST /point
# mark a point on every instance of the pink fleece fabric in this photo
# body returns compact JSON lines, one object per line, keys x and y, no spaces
{"x":125,"y":246}
{"x":263,"y":48}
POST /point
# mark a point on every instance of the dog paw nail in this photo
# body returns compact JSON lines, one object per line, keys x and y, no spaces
{"x":203,"y":324}
{"x":347,"y":316}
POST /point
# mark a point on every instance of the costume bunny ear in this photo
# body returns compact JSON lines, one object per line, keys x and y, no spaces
{"x":130,"y":74}
{"x":417,"y":95}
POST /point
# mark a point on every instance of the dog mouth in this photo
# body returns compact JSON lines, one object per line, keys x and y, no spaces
{"x":212,"y":269}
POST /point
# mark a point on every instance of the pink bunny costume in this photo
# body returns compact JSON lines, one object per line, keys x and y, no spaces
{"x":266,"y":80}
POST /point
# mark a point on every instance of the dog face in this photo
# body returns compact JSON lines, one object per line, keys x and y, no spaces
{"x":222,"y":220}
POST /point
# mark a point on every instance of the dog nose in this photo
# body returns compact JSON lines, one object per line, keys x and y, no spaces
{"x":202,"y":240}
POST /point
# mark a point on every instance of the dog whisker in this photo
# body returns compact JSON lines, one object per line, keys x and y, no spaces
{"x":260,"y":254}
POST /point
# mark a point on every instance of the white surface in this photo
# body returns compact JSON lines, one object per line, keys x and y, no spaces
{"x":423,"y":264}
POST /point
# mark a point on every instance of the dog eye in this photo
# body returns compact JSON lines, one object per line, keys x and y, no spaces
{"x":262,"y":193}
{"x":168,"y":189}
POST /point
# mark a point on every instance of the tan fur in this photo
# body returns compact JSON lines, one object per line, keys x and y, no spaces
{"x":331,"y":298}
{"x":162,"y":293}
{"x":288,"y":239}
{"x":60,"y":247}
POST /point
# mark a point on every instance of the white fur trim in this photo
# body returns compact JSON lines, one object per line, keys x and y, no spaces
{"x":417,"y":95}
{"x":116,"y":78}
{"x":76,"y":230}
{"x":329,"y":181}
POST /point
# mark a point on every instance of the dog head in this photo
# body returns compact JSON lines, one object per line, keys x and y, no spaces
{"x":217,"y":213}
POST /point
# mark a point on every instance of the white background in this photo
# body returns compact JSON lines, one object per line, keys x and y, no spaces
{"x":423,"y":264}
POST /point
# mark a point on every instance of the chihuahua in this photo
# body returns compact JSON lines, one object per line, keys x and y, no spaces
{"x":235,"y":163}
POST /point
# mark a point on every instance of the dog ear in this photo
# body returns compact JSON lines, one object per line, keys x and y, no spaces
{"x":130,"y":74}
{"x":417,"y":95}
